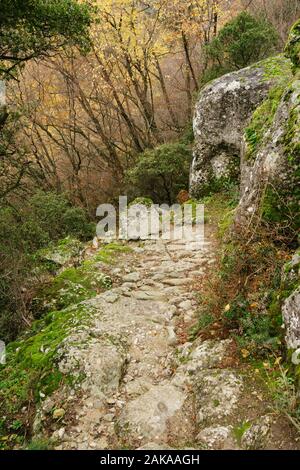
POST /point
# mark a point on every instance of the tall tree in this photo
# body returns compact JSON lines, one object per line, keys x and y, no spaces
{"x":33,"y":28}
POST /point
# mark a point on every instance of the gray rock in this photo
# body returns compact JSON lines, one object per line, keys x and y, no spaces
{"x":270,"y":167}
{"x":58,"y":434}
{"x":64,"y":253}
{"x":208,"y":355}
{"x":172,"y":338}
{"x":132,"y":277}
{"x":151,"y":415}
{"x":222,"y":113}
{"x":217,"y":438}
{"x":185,"y":305}
{"x":149,"y":295}
{"x":255,"y":437}
{"x":291,"y":316}
{"x":111,"y":296}
{"x":217,"y":394}
{"x":155,"y":446}
{"x":176,"y":282}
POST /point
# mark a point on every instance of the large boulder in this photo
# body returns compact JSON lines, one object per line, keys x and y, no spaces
{"x":270,"y":178}
{"x":270,"y":157}
{"x":223,"y":111}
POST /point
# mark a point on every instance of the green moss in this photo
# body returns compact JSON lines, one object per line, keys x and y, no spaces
{"x":108,"y":253}
{"x":280,"y":204}
{"x":58,"y":254}
{"x":39,"y":444}
{"x":240,"y":430}
{"x":31,"y":371}
{"x":226,"y":222}
{"x":262,"y":120}
{"x":145,"y":201}
{"x":74,"y":285}
{"x":292,"y":49}
{"x":278,"y":67}
{"x":291,"y":266}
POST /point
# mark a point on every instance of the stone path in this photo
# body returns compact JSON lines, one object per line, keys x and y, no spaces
{"x":145,"y":387}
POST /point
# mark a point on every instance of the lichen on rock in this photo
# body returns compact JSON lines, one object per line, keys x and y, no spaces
{"x":223,"y":111}
{"x":292,"y":49}
{"x":270,"y":180}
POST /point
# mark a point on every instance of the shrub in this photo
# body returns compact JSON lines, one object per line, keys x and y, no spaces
{"x":53,"y":213}
{"x":292,"y":49}
{"x":161,"y":173}
{"x":241,"y":42}
{"x":47,"y":217}
{"x":144,"y":201}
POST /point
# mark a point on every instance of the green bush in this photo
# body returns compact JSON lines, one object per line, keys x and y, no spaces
{"x":161,"y":173}
{"x":44,"y":219}
{"x":292,"y":49}
{"x":144,"y":201}
{"x":241,"y":42}
{"x":53,"y":214}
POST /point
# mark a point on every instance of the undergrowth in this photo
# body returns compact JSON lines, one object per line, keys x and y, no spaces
{"x":242,"y":299}
{"x":31,"y":372}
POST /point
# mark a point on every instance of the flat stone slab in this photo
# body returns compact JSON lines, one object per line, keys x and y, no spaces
{"x":217,"y":394}
{"x":150,"y":415}
{"x":217,"y":438}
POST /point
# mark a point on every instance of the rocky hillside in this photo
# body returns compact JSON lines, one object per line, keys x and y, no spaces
{"x":165,"y":345}
{"x":223,"y":111}
{"x":247,"y":130}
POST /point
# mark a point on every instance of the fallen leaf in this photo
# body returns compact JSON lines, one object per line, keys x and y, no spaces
{"x":245,"y":353}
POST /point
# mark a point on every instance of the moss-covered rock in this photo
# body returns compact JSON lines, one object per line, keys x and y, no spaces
{"x":270,"y":183}
{"x":31,"y":371}
{"x":280,"y":204}
{"x":144,"y":201}
{"x":224,"y":109}
{"x":292,"y":49}
{"x":262,"y":120}
{"x":77,"y":283}
{"x":64,"y":252}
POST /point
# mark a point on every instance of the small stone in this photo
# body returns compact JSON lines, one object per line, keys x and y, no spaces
{"x":98,"y":404}
{"x":110,"y":401}
{"x":172,"y":338}
{"x":109,"y":417}
{"x":95,"y":243}
{"x":111,"y":297}
{"x":61,"y":433}
{"x":132,"y":277}
{"x":58,"y":413}
{"x":217,"y":438}
{"x":48,"y":405}
{"x":185,"y":305}
{"x":176,"y":282}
